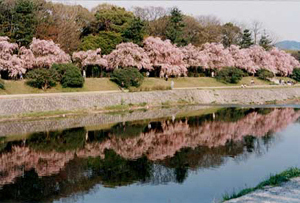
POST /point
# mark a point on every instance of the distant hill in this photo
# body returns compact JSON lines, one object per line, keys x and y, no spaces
{"x":288,"y":45}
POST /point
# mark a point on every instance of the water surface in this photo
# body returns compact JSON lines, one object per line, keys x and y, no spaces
{"x":174,"y":159}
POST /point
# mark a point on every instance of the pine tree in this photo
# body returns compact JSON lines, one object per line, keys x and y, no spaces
{"x":135,"y":32}
{"x":265,"y":42}
{"x":23,"y":22}
{"x":246,"y":39}
{"x":174,"y":30}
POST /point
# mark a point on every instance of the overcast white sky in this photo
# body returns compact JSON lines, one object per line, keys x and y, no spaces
{"x":280,"y":17}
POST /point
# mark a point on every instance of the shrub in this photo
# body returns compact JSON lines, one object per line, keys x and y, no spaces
{"x":69,"y":75}
{"x":72,"y":77}
{"x":105,"y":40}
{"x":230,"y":75}
{"x":42,"y":78}
{"x":264,"y":74}
{"x":127,"y":77}
{"x":2,"y":86}
{"x":296,"y":74}
{"x":60,"y":69}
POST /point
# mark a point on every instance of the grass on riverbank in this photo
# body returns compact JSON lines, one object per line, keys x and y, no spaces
{"x":274,"y":180}
{"x":104,"y":84}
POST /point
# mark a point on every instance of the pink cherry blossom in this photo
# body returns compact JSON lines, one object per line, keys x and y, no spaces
{"x":128,"y":55}
{"x":194,"y":57}
{"x":46,"y":53}
{"x":284,"y":62}
{"x":8,"y":60}
{"x":218,"y":56}
{"x":90,"y":57}
{"x":242,"y":59}
{"x":27,"y":58}
{"x":165,"y":55}
{"x":262,"y":58}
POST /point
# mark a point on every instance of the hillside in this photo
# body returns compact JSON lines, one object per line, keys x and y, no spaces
{"x":288,"y":45}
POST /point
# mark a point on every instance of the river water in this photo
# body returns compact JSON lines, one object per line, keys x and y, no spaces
{"x":194,"y":156}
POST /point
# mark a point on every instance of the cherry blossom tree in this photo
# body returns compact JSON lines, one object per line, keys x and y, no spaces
{"x":194,"y":57}
{"x":262,"y":58}
{"x":218,"y":56}
{"x":27,"y":58}
{"x":128,"y":55}
{"x":166,"y":56}
{"x":46,"y":53}
{"x":284,"y":62}
{"x":90,"y":57}
{"x":242,"y":59}
{"x":42,"y":54}
{"x":8,"y":59}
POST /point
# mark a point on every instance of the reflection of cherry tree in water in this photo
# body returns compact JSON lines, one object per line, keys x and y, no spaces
{"x":155,"y":152}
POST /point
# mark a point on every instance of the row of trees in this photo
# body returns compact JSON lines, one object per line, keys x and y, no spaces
{"x":155,"y":54}
{"x":105,"y":26}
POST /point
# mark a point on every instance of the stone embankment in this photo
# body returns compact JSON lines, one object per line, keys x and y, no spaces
{"x":18,"y":104}
{"x":288,"y":192}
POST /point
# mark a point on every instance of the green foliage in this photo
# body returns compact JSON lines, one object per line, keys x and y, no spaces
{"x":105,"y":40}
{"x":265,"y":42}
{"x":296,"y":54}
{"x":231,"y":34}
{"x":135,"y":32}
{"x":69,"y":75}
{"x":264,"y":74}
{"x":246,"y":39}
{"x":296,"y":74}
{"x":117,"y":171}
{"x":42,"y":78}
{"x":60,"y":141}
{"x":2,"y":85}
{"x":60,"y":69}
{"x":128,"y":129}
{"x":127,"y":77}
{"x":174,"y":30}
{"x":18,"y":21}
{"x":230,"y":75}
{"x":112,"y":18}
{"x":72,"y":77}
{"x":274,"y":180}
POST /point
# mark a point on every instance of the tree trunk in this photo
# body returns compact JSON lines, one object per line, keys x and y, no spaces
{"x":84,"y":73}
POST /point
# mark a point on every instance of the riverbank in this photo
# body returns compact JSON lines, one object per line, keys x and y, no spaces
{"x":18,"y":106}
{"x":283,"y":187}
{"x":104,"y":84}
{"x":96,"y":121}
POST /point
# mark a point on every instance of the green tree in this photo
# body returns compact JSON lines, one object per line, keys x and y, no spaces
{"x":112,"y":18}
{"x":5,"y":18}
{"x":296,"y":74}
{"x":246,"y":39}
{"x":23,"y":22}
{"x":231,"y":34}
{"x":265,"y":42}
{"x":42,"y":78}
{"x":69,"y":75}
{"x":230,"y":75}
{"x":127,"y":77}
{"x":174,"y":30}
{"x":60,"y":141}
{"x":135,"y":32}
{"x":106,"y":40}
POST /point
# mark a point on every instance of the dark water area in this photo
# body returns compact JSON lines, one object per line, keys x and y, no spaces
{"x":195,"y":158}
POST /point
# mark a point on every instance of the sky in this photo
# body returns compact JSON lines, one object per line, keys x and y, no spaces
{"x":281,"y":18}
